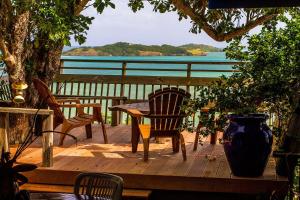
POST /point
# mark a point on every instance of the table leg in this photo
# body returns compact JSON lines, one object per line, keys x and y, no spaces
{"x":4,"y":125}
{"x":47,"y":142}
{"x":135,"y":133}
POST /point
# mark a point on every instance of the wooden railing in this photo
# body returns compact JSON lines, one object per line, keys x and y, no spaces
{"x":5,"y":93}
{"x":93,"y":83}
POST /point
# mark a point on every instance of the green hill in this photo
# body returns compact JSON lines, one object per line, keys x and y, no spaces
{"x":127,"y":49}
{"x":203,"y":47}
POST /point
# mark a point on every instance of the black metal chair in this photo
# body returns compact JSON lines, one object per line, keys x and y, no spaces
{"x":98,"y":186}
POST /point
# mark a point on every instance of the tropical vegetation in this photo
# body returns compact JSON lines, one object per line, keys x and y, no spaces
{"x":127,"y":49}
{"x":268,"y":79}
{"x":202,"y":47}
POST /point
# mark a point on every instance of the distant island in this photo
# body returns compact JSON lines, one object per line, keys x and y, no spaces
{"x":128,"y":49}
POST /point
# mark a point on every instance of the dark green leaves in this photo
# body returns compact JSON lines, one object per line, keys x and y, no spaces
{"x":100,"y":5}
{"x":24,"y":167}
{"x":136,"y":5}
{"x":57,"y":21}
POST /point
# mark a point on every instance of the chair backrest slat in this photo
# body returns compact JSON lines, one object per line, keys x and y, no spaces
{"x":99,"y":186}
{"x":152,"y":108}
{"x":47,"y":97}
{"x":165,"y":106}
{"x":166,"y":103}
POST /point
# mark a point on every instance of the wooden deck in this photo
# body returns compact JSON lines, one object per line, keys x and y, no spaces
{"x":205,"y":169}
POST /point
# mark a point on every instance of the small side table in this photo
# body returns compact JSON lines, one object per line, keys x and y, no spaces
{"x":47,"y":140}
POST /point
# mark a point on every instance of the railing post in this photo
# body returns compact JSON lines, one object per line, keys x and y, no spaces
{"x":119,"y":114}
{"x":124,"y":66}
{"x":61,"y":67}
{"x":59,"y":72}
{"x":188,"y":76}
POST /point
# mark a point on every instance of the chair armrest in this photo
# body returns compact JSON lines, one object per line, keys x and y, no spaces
{"x":69,"y":105}
{"x":89,"y":105}
{"x":135,"y":113}
{"x":77,"y":101}
{"x":80,"y":107}
{"x":164,"y":116}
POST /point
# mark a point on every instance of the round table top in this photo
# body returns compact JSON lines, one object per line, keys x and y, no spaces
{"x":143,"y":107}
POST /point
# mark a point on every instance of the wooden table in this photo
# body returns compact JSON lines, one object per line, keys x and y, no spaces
{"x":53,"y":196}
{"x":133,"y":110}
{"x":47,"y":138}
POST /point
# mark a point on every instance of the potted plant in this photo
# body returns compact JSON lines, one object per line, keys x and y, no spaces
{"x":10,"y":172}
{"x":267,"y":82}
{"x":275,"y":70}
{"x":10,"y":176}
{"x":247,"y":139}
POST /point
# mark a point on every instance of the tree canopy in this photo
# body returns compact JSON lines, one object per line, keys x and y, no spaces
{"x":219,"y":24}
{"x":33,"y":33}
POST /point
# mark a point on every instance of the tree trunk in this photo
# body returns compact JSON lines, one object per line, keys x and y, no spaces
{"x":46,"y":63}
{"x":294,"y":131}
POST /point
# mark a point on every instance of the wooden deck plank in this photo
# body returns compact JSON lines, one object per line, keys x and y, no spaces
{"x":174,"y":165}
{"x":164,"y":170}
{"x":70,"y":189}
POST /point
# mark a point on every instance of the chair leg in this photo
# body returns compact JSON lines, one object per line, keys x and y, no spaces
{"x":146,"y":148}
{"x":65,"y":129}
{"x":88,"y":130}
{"x":103,"y":130}
{"x":98,"y":116}
{"x":183,"y":147}
{"x":175,"y":144}
{"x":196,"y":142}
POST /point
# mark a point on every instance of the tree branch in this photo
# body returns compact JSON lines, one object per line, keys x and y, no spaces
{"x":187,"y":10}
{"x":8,"y":58}
{"x":246,"y":28}
{"x":80,"y":6}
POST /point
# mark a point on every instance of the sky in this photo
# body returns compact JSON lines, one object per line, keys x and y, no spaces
{"x":144,"y":27}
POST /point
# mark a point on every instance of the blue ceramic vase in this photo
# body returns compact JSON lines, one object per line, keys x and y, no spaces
{"x":247,"y":144}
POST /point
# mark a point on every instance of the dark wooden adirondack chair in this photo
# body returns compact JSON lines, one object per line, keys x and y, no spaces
{"x":165,"y":117}
{"x":82,"y":119}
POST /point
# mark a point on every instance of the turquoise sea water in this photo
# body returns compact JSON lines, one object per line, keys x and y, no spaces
{"x":212,"y":56}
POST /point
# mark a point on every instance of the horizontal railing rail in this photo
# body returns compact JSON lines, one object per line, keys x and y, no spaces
{"x":152,"y":61}
{"x":148,"y":69}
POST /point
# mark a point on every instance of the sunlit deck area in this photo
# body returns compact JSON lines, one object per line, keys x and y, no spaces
{"x":206,"y":170}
